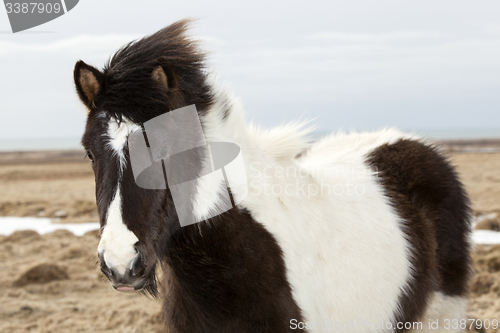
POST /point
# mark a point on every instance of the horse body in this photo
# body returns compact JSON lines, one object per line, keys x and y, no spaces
{"x":357,"y":232}
{"x":348,"y":237}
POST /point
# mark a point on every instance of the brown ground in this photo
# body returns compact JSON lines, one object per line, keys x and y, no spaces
{"x":51,"y":283}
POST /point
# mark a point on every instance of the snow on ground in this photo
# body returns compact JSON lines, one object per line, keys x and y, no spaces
{"x":42,"y":225}
{"x":486,"y":237}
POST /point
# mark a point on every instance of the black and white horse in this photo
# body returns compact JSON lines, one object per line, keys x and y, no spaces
{"x":358,"y":233}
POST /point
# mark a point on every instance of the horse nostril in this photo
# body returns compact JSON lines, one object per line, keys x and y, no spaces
{"x":138,"y":267}
{"x":125,"y":276}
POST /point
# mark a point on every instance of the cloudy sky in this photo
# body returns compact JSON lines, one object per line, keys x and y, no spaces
{"x":357,"y":64}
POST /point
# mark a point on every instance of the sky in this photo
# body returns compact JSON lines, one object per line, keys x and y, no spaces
{"x":350,"y":65}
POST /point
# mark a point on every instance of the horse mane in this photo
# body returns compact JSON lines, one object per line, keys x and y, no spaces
{"x":171,"y":42}
{"x":128,"y":84}
{"x":285,"y":142}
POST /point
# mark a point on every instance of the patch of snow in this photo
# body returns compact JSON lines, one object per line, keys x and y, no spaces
{"x":485,"y":237}
{"x":43,"y":225}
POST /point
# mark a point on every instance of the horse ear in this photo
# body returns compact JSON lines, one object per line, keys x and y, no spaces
{"x":164,"y":74}
{"x":88,"y":82}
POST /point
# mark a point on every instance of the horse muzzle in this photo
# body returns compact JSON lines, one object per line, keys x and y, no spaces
{"x":125,"y":278}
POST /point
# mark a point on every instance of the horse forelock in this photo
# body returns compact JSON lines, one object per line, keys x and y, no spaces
{"x":129,"y":90}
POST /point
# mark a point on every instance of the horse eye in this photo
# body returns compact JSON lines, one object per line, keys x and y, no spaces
{"x":90,"y":156}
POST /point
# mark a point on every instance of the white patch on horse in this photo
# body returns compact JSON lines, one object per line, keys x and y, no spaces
{"x":442,"y":307}
{"x":117,"y":241}
{"x":320,"y":232}
{"x":209,"y":196}
{"x":358,"y":231}
{"x":118,"y":133}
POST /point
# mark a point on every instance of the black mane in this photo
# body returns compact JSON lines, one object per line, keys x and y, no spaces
{"x":128,"y":90}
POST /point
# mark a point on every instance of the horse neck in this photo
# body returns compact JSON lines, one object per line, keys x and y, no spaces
{"x":224,"y":122}
{"x":277,"y":147}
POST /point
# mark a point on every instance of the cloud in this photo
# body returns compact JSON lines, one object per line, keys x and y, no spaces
{"x":357,"y":69}
{"x":78,"y":45}
{"x":488,"y":27}
{"x":83,"y":45}
{"x":210,"y":40}
{"x":350,"y":67}
{"x":366,"y":57}
{"x":387,"y":37}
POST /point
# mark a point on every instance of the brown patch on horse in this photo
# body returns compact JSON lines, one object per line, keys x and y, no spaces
{"x":230,"y":276}
{"x":425,"y":191}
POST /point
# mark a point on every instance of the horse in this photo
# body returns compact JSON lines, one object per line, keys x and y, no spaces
{"x":359,"y":232}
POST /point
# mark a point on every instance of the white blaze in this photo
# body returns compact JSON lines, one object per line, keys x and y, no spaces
{"x":118,"y":135}
{"x":117,"y":241}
